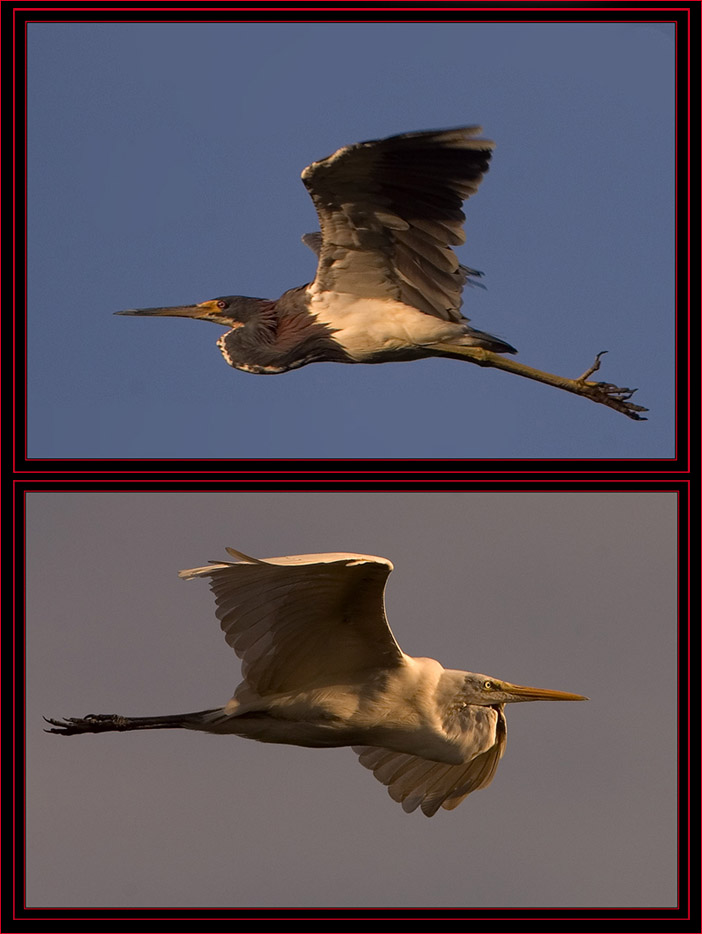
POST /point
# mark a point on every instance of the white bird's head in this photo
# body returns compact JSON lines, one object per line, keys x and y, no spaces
{"x":487,"y":691}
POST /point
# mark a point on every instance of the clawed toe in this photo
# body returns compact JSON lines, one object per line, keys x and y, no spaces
{"x":63,"y":725}
{"x":616,"y":397}
{"x":87,"y":724}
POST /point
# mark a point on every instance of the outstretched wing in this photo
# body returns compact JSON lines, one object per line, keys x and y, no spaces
{"x":389,"y":212}
{"x":305,"y":620}
{"x":416,"y":782}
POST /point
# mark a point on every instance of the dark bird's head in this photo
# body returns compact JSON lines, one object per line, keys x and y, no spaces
{"x":231,"y":311}
{"x":266,"y":336}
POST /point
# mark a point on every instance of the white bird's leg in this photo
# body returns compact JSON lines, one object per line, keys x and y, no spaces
{"x":604,"y":393}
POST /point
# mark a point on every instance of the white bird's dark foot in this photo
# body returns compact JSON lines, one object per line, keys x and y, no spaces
{"x":91,"y":723}
{"x":608,"y":394}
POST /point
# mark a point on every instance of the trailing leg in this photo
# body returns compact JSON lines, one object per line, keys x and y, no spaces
{"x":604,"y":393}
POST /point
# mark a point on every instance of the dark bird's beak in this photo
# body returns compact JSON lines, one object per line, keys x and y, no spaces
{"x":175,"y":311}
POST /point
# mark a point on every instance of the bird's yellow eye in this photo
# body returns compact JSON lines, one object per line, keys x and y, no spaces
{"x":489,"y":685}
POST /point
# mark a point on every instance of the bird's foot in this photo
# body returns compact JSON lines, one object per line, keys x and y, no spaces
{"x":608,"y":394}
{"x":91,"y":723}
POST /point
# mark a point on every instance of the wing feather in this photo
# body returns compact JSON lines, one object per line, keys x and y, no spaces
{"x":389,"y":212}
{"x":415,"y":782}
{"x":303,"y":620}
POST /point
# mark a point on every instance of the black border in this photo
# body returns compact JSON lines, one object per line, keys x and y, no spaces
{"x":354,"y":475}
{"x":686,"y":15}
{"x":649,"y":919}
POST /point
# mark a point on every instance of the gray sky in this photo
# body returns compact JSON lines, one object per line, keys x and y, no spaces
{"x":164,"y":164}
{"x":572,"y":591}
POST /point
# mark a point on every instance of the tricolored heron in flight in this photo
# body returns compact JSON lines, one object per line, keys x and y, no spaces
{"x":321,"y":668}
{"x":388,"y":285}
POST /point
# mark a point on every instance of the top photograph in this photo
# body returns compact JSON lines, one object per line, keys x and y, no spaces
{"x":438,"y":242}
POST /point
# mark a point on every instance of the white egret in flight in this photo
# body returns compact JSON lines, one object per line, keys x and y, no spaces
{"x":321,"y":668}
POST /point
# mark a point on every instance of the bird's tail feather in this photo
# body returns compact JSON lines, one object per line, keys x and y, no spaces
{"x":473,"y":338}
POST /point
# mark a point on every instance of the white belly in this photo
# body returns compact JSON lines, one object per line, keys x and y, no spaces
{"x":366,"y":327}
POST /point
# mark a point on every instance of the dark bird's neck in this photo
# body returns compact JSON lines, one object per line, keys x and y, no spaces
{"x":278,"y":336}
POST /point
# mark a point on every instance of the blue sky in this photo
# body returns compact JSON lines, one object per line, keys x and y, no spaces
{"x":164,"y":165}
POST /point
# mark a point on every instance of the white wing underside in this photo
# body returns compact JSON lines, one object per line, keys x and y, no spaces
{"x":303,"y":621}
{"x":415,"y":782}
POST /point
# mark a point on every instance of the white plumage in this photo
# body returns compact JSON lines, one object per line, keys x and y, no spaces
{"x":321,"y":668}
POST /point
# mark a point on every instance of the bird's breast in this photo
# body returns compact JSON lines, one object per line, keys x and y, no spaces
{"x":372,"y":329}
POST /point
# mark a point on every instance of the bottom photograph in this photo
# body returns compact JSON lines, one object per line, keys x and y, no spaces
{"x":398,"y":633}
